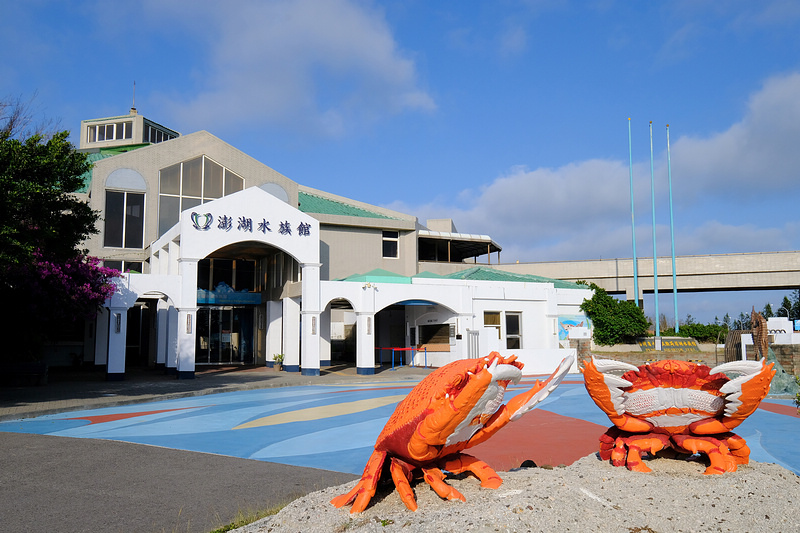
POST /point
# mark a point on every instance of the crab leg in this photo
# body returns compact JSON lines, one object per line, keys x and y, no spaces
{"x":435,"y":478}
{"x":401,"y":475}
{"x":650,"y":443}
{"x":740,"y":451}
{"x":364,"y":490}
{"x":719,"y":456}
{"x":467,"y":463}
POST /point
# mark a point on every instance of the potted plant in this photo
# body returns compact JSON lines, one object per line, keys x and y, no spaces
{"x":278,"y":360}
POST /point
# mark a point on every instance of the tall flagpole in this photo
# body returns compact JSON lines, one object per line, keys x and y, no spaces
{"x":672,"y":236}
{"x":633,"y":221}
{"x":655,"y":257}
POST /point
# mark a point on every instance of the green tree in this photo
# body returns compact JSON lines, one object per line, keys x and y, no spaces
{"x":38,"y":210}
{"x":794,"y":314}
{"x":615,"y":321}
{"x":785,"y":309}
{"x":767,"y":312}
{"x":743,"y":322}
{"x":45,"y":279}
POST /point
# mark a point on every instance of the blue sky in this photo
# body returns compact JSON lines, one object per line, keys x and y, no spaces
{"x":511,"y":117}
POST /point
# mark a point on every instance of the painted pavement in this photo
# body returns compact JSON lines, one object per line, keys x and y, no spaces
{"x":334,"y":427}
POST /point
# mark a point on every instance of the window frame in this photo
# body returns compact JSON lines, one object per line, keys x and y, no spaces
{"x":125,"y":217}
{"x":228,"y":178}
{"x":498,"y":326}
{"x":502,"y":326}
{"x":513,"y":336}
{"x":120,"y":131}
{"x":390,"y":239}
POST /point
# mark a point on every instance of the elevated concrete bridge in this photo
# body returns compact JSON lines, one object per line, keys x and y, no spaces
{"x":695,"y":273}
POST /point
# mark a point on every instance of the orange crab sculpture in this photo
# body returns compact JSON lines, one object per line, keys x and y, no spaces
{"x":457,"y":406}
{"x":684,"y":406}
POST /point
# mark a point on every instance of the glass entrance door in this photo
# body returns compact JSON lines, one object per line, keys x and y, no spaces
{"x":224,"y":335}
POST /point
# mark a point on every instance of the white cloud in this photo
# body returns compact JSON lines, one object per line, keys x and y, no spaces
{"x":267,"y":59}
{"x":729,"y":187}
{"x":513,"y":40}
{"x":761,"y":147}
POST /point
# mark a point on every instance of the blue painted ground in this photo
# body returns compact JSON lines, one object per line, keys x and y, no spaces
{"x":335,"y":427}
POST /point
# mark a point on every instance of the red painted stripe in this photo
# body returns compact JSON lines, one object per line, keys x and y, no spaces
{"x":99,"y":419}
{"x":779,"y":408}
{"x":545,"y":438}
{"x":409,"y":387}
{"x":564,"y":382}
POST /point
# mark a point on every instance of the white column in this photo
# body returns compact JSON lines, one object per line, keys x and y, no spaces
{"x":291,"y":334}
{"x":117,"y":332}
{"x":325,"y":337}
{"x":310,"y":345}
{"x":187,"y":318}
{"x":101,"y":337}
{"x":365,"y":343}
{"x":187,"y":326}
{"x":172,"y":340}
{"x":274,"y":330}
{"x":162,"y":331}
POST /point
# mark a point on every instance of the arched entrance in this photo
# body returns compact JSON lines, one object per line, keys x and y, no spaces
{"x":343,"y":331}
{"x":234,"y":286}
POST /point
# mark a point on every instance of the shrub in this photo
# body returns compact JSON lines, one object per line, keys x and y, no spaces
{"x":615,"y":321}
{"x":699,"y":332}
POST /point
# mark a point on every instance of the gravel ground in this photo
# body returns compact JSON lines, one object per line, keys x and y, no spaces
{"x":589,"y":495}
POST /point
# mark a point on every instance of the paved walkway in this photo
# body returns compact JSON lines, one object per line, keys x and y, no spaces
{"x":266,"y":436}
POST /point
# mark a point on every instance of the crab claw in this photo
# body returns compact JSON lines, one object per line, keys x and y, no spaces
{"x":504,"y":371}
{"x":745,"y":392}
{"x":604,"y":387}
{"x":526,"y":402}
{"x":742,"y":394}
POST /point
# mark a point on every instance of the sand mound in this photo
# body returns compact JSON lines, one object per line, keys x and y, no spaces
{"x":589,"y":495}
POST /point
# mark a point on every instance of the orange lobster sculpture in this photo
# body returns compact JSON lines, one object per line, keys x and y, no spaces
{"x":687,"y":407}
{"x":457,"y":406}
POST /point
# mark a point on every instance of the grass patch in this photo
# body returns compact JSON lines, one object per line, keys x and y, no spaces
{"x":244,"y":518}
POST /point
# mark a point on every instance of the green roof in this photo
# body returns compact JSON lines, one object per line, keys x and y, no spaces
{"x":94,"y":157}
{"x":311,"y":203}
{"x":378,"y":275}
{"x":491,"y":274}
{"x":475,"y":273}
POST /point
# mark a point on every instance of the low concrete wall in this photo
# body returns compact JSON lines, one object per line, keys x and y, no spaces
{"x":709,"y":354}
{"x":788,"y":355}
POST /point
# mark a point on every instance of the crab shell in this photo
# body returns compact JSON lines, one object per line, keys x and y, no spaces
{"x":457,"y":406}
{"x":447,"y":408}
{"x":676,"y":397}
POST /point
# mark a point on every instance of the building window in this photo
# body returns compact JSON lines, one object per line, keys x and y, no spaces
{"x":513,"y":327}
{"x":189,"y":184}
{"x":391,"y":244}
{"x":154,"y":135}
{"x":110,"y":132}
{"x":239,"y":274}
{"x":124,"y":220}
{"x":513,"y":331}
{"x":125,"y":266}
{"x":491,"y":319}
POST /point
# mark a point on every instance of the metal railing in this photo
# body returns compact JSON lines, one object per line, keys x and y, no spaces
{"x":398,"y":349}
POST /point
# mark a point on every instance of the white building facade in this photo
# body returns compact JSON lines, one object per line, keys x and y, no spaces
{"x":229,"y":262}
